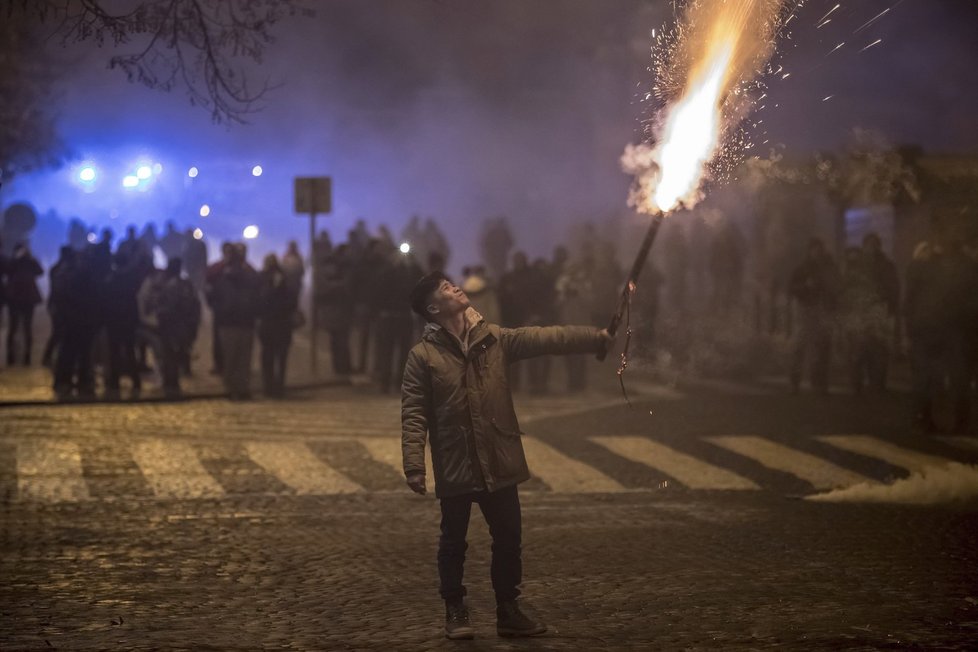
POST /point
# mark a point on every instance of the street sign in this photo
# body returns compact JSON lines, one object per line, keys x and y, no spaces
{"x":313,"y":195}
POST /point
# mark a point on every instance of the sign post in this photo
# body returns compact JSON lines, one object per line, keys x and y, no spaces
{"x":313,"y":195}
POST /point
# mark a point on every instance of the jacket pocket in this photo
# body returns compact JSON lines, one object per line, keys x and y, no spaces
{"x":508,"y":447}
{"x":450,"y":455}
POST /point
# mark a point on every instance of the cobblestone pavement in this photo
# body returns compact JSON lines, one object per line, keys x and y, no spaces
{"x":286,"y":525}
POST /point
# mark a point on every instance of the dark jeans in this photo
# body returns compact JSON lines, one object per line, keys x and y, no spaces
{"x":339,"y":344}
{"x":237,"y":343}
{"x":274,"y":356}
{"x":813,"y":340}
{"x":122,"y":357}
{"x":501,"y":509}
{"x":21,"y":318}
{"x":73,"y":365}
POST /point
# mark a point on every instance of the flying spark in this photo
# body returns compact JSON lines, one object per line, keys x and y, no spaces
{"x":827,"y":98}
{"x":836,"y":47}
{"x":873,"y":20}
{"x":821,"y":25}
{"x":876,"y":42}
{"x":829,"y":13}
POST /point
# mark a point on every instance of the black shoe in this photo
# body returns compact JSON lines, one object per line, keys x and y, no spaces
{"x":457,"y":625}
{"x":511,"y":622}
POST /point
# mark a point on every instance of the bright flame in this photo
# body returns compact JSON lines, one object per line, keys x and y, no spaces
{"x":691,"y":135}
{"x":722,"y":44}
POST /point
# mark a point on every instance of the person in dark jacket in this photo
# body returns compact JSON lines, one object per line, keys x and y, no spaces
{"x":275,"y":322}
{"x":236,"y":297}
{"x":456,"y":396}
{"x":22,"y":296}
{"x":210,"y":279}
{"x":73,"y":288}
{"x":814,"y":285}
{"x":334,"y":301}
{"x":178,"y":318}
{"x":394,"y":327}
{"x":121,"y":315}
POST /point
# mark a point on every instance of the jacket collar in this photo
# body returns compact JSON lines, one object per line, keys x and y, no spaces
{"x":476,"y":330}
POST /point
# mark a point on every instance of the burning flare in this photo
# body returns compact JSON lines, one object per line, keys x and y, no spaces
{"x":721,"y":45}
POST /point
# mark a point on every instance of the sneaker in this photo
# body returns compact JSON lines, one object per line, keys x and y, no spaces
{"x":457,"y":625}
{"x":511,"y":622}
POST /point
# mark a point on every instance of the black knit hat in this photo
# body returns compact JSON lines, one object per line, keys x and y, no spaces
{"x":423,"y":289}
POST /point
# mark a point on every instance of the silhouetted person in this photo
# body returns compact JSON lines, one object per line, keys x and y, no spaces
{"x":121,"y":316}
{"x":178,"y":318}
{"x":514,"y":304}
{"x":195,"y":259}
{"x":172,"y":241}
{"x":275,"y":322}
{"x":236,"y":306}
{"x":334,"y":300}
{"x":395,"y":323}
{"x":22,"y":271}
{"x":75,"y":307}
{"x":495,"y":245}
{"x":885,"y":284}
{"x":213,"y":273}
{"x":942,"y":290}
{"x":294,"y":268}
{"x":57,"y":321}
{"x":541,"y":292}
{"x":456,"y":397}
{"x":814,"y":285}
{"x":482,"y":293}
{"x":435,"y":242}
{"x":3,"y":280}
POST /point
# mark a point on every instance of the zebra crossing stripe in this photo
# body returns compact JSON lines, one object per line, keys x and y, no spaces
{"x":961,"y":441}
{"x":50,"y":471}
{"x":564,"y":474}
{"x":387,"y":450}
{"x":814,"y":470}
{"x":299,"y":468}
{"x":173,"y":470}
{"x":884,"y":450}
{"x":694,"y":473}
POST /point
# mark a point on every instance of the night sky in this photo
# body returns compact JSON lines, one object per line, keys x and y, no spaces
{"x":464,"y":110}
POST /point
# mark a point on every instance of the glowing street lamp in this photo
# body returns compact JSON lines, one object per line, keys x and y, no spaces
{"x":193,"y":172}
{"x":87,"y":174}
{"x":250,"y":232}
{"x":198,"y":234}
{"x":405,"y":248}
{"x":256,"y":171}
{"x":205,"y":210}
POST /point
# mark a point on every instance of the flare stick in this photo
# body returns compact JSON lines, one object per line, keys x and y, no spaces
{"x":632,"y":281}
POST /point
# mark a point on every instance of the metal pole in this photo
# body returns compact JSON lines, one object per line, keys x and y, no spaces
{"x":313,"y":308}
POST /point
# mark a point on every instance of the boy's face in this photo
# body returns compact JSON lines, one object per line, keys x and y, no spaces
{"x":447,"y":300}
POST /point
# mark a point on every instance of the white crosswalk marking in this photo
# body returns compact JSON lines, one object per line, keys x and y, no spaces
{"x":50,"y":471}
{"x":884,"y":450}
{"x":387,"y":450}
{"x":299,"y":468}
{"x":688,"y":470}
{"x":814,"y":470}
{"x":173,"y":470}
{"x":564,"y":474}
{"x":961,"y":441}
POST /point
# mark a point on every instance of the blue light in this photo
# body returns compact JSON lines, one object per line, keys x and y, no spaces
{"x":130,"y":181}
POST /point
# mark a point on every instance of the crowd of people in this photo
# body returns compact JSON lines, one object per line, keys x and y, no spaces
{"x":859,"y":306}
{"x":112,"y":309}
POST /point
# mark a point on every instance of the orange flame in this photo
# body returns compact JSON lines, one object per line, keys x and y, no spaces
{"x":726,"y":42}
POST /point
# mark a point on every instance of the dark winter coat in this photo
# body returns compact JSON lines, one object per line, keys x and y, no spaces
{"x":235,"y":296}
{"x":277,"y":306}
{"x":22,"y":276}
{"x":462,"y":405}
